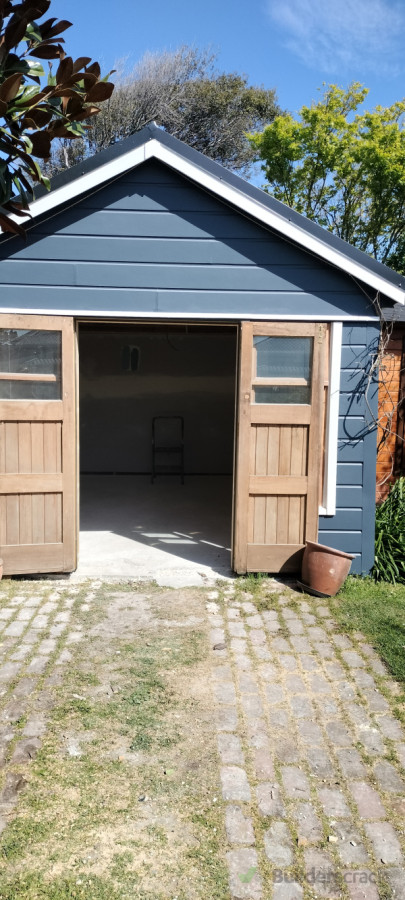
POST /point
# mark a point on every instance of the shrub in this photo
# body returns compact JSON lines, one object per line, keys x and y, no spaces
{"x":389,"y":564}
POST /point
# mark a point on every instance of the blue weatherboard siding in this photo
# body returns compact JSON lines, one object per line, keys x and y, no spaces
{"x":153,"y":242}
{"x":352,"y":528}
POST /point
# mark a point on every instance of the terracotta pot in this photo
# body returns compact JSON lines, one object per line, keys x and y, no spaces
{"x":324,"y":569}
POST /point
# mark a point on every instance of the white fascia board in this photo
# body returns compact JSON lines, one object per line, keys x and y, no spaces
{"x":183,"y":316}
{"x":332,"y":422}
{"x":153,"y":149}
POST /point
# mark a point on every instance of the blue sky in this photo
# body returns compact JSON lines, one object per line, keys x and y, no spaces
{"x":292,"y":45}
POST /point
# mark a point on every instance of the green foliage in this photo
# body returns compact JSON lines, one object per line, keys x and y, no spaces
{"x":389,"y":562}
{"x":343,"y":169}
{"x":33,"y":112}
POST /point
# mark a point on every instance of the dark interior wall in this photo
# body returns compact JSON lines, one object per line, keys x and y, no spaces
{"x":187,"y":371}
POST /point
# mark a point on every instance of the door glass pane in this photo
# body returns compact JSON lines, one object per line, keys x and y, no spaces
{"x":282,"y":394}
{"x":283,"y":357}
{"x":35,"y":353}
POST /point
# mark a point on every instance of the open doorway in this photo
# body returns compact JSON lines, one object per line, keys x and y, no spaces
{"x":179,"y":379}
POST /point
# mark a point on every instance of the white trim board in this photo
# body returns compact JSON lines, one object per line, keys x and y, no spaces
{"x":154,"y":149}
{"x":231,"y":317}
{"x":332,"y":422}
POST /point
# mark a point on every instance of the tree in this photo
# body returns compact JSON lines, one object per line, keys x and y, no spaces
{"x":35,"y":113}
{"x":342,"y":168}
{"x":183,"y":92}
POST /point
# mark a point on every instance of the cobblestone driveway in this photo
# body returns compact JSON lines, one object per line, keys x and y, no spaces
{"x":312,"y":757}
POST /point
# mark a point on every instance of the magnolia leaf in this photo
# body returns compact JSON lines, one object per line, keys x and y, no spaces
{"x":10,"y":87}
{"x":64,"y":70}
{"x":47,"y":51}
{"x":94,"y":69}
{"x":101,"y":91}
{"x":7,"y":224}
{"x":3,"y":108}
{"x":80,"y":62}
{"x":58,"y":28}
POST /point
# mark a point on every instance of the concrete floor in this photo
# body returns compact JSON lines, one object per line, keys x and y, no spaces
{"x":176,"y":534}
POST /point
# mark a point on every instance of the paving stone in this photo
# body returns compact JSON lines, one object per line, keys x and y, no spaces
{"x":376,"y":701}
{"x":309,"y":663}
{"x":360,"y":884}
{"x":325,"y":650}
{"x":63,"y":616}
{"x":367,"y":800}
{"x":301,"y":644}
{"x":261,"y":653}
{"x":316,"y":633}
{"x":263,"y":765}
{"x":350,"y":844}
{"x":215,"y":620}
{"x":280,"y":645}
{"x":268,"y":672}
{"x":37,"y":665}
{"x":288,"y":662}
{"x":279,"y":718}
{"x":269,"y":799}
{"x":238,"y":645}
{"x":295,"y":627}
{"x":248,"y":607}
{"x":307,"y":822}
{"x":257,"y":638}
{"x":272,"y":627}
{"x":388,"y":778}
{"x":400,"y":749}
{"x":319,"y":761}
{"x":309,"y":619}
{"x":247,"y":684}
{"x":290,"y":613}
{"x":235,"y":785}
{"x":227,"y":719}
{"x":353,"y":659}
{"x":320,"y":873}
{"x":295,"y":783}
{"x":302,"y":708}
{"x":334,"y":803}
{"x":286,"y":890}
{"x":217,"y":636}
{"x":377,"y":666}
{"x":338,"y":734}
{"x":222,"y":673}
{"x":342,"y":642}
{"x":242,"y":662}
{"x":24,"y":615}
{"x":390,"y":727}
{"x":21,"y":652}
{"x":335,"y":672}
{"x":252,"y":705}
{"x":257,"y":734}
{"x":6,"y":613}
{"x":359,"y":715}
{"x":304,"y":606}
{"x":278,"y":844}
{"x":241,"y":863}
{"x":285,"y":747}
{"x":350,"y":762}
{"x":13,"y":712}
{"x":56,"y":630}
{"x":47,"y":646}
{"x":396,"y":880}
{"x":224,"y":692}
{"x":32,"y":602}
{"x":328,"y":708}
{"x":237,"y":629}
{"x":239,"y":828}
{"x":15,"y":629}
{"x":254,"y":621}
{"x":270,"y":615}
{"x":64,"y":657}
{"x":230,"y":749}
{"x":310,"y":732}
{"x":25,"y":750}
{"x":319,"y":684}
{"x":385,"y":842}
{"x":9,"y":671}
{"x":295,"y":684}
{"x":232,"y":612}
{"x":372,"y":741}
{"x":24,"y":688}
{"x":346,"y":691}
{"x":39,"y":622}
{"x":323,"y":611}
{"x":364,"y":680}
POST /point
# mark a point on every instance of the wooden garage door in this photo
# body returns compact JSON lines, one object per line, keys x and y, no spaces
{"x":279,"y":440}
{"x":37,"y":444}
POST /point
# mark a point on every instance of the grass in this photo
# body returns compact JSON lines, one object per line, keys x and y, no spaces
{"x":133,"y":814}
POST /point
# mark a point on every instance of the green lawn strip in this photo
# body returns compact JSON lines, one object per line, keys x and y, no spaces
{"x":81,"y":828}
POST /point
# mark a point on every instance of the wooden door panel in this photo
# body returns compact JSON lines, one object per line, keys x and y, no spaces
{"x":278,"y":451}
{"x":37,"y":457}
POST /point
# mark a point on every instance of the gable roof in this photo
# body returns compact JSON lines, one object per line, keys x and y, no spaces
{"x":154,"y":143}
